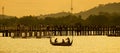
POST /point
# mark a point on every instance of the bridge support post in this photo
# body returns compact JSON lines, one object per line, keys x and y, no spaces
{"x":38,"y":35}
{"x":9,"y":34}
{"x":6,"y":34}
{"x":35,"y":34}
{"x":30,"y":33}
{"x":3,"y":34}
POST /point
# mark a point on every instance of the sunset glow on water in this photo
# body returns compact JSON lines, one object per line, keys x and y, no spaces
{"x":81,"y":44}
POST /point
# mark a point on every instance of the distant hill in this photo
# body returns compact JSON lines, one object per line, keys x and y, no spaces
{"x":6,"y":17}
{"x":55,"y":15}
{"x":109,"y":8}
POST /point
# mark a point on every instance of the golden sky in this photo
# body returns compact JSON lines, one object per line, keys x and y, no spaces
{"x":36,"y":7}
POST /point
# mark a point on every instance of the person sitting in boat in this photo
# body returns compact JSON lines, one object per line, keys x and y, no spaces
{"x":68,"y":40}
{"x":63,"y":41}
{"x":56,"y":40}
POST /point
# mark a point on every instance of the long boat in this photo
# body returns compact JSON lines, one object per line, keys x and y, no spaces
{"x":61,"y":43}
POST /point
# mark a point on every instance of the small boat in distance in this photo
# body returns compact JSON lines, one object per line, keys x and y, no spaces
{"x":68,"y":43}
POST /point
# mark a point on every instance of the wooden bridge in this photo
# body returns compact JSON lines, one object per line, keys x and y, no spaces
{"x":21,"y":31}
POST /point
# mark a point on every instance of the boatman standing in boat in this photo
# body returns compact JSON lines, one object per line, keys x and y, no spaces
{"x":68,"y":40}
{"x":56,"y":40}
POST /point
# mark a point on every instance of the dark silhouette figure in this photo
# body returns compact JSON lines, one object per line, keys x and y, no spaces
{"x":56,"y":40}
{"x":63,"y":41}
{"x":68,"y":40}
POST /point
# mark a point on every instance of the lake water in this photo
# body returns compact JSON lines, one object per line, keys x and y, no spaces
{"x":81,"y":44}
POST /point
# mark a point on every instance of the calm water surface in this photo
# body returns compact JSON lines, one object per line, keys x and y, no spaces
{"x":81,"y":44}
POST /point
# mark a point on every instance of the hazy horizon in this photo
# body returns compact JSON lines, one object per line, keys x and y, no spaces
{"x":37,"y":7}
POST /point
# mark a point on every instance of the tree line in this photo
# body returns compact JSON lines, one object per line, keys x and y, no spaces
{"x":102,"y":18}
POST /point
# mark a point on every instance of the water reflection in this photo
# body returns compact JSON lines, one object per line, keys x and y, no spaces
{"x":82,"y":44}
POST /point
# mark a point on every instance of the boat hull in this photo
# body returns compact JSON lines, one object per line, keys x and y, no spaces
{"x":61,"y":44}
